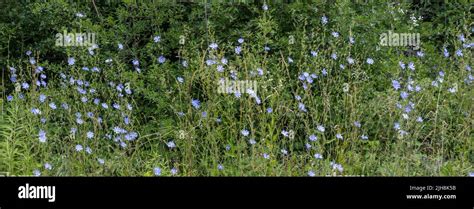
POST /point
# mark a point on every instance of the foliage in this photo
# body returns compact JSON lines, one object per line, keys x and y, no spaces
{"x":129,"y":109}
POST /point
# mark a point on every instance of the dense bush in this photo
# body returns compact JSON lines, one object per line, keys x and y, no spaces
{"x":145,"y":99}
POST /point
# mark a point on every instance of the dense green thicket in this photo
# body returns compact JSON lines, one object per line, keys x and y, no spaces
{"x":329,"y":99}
